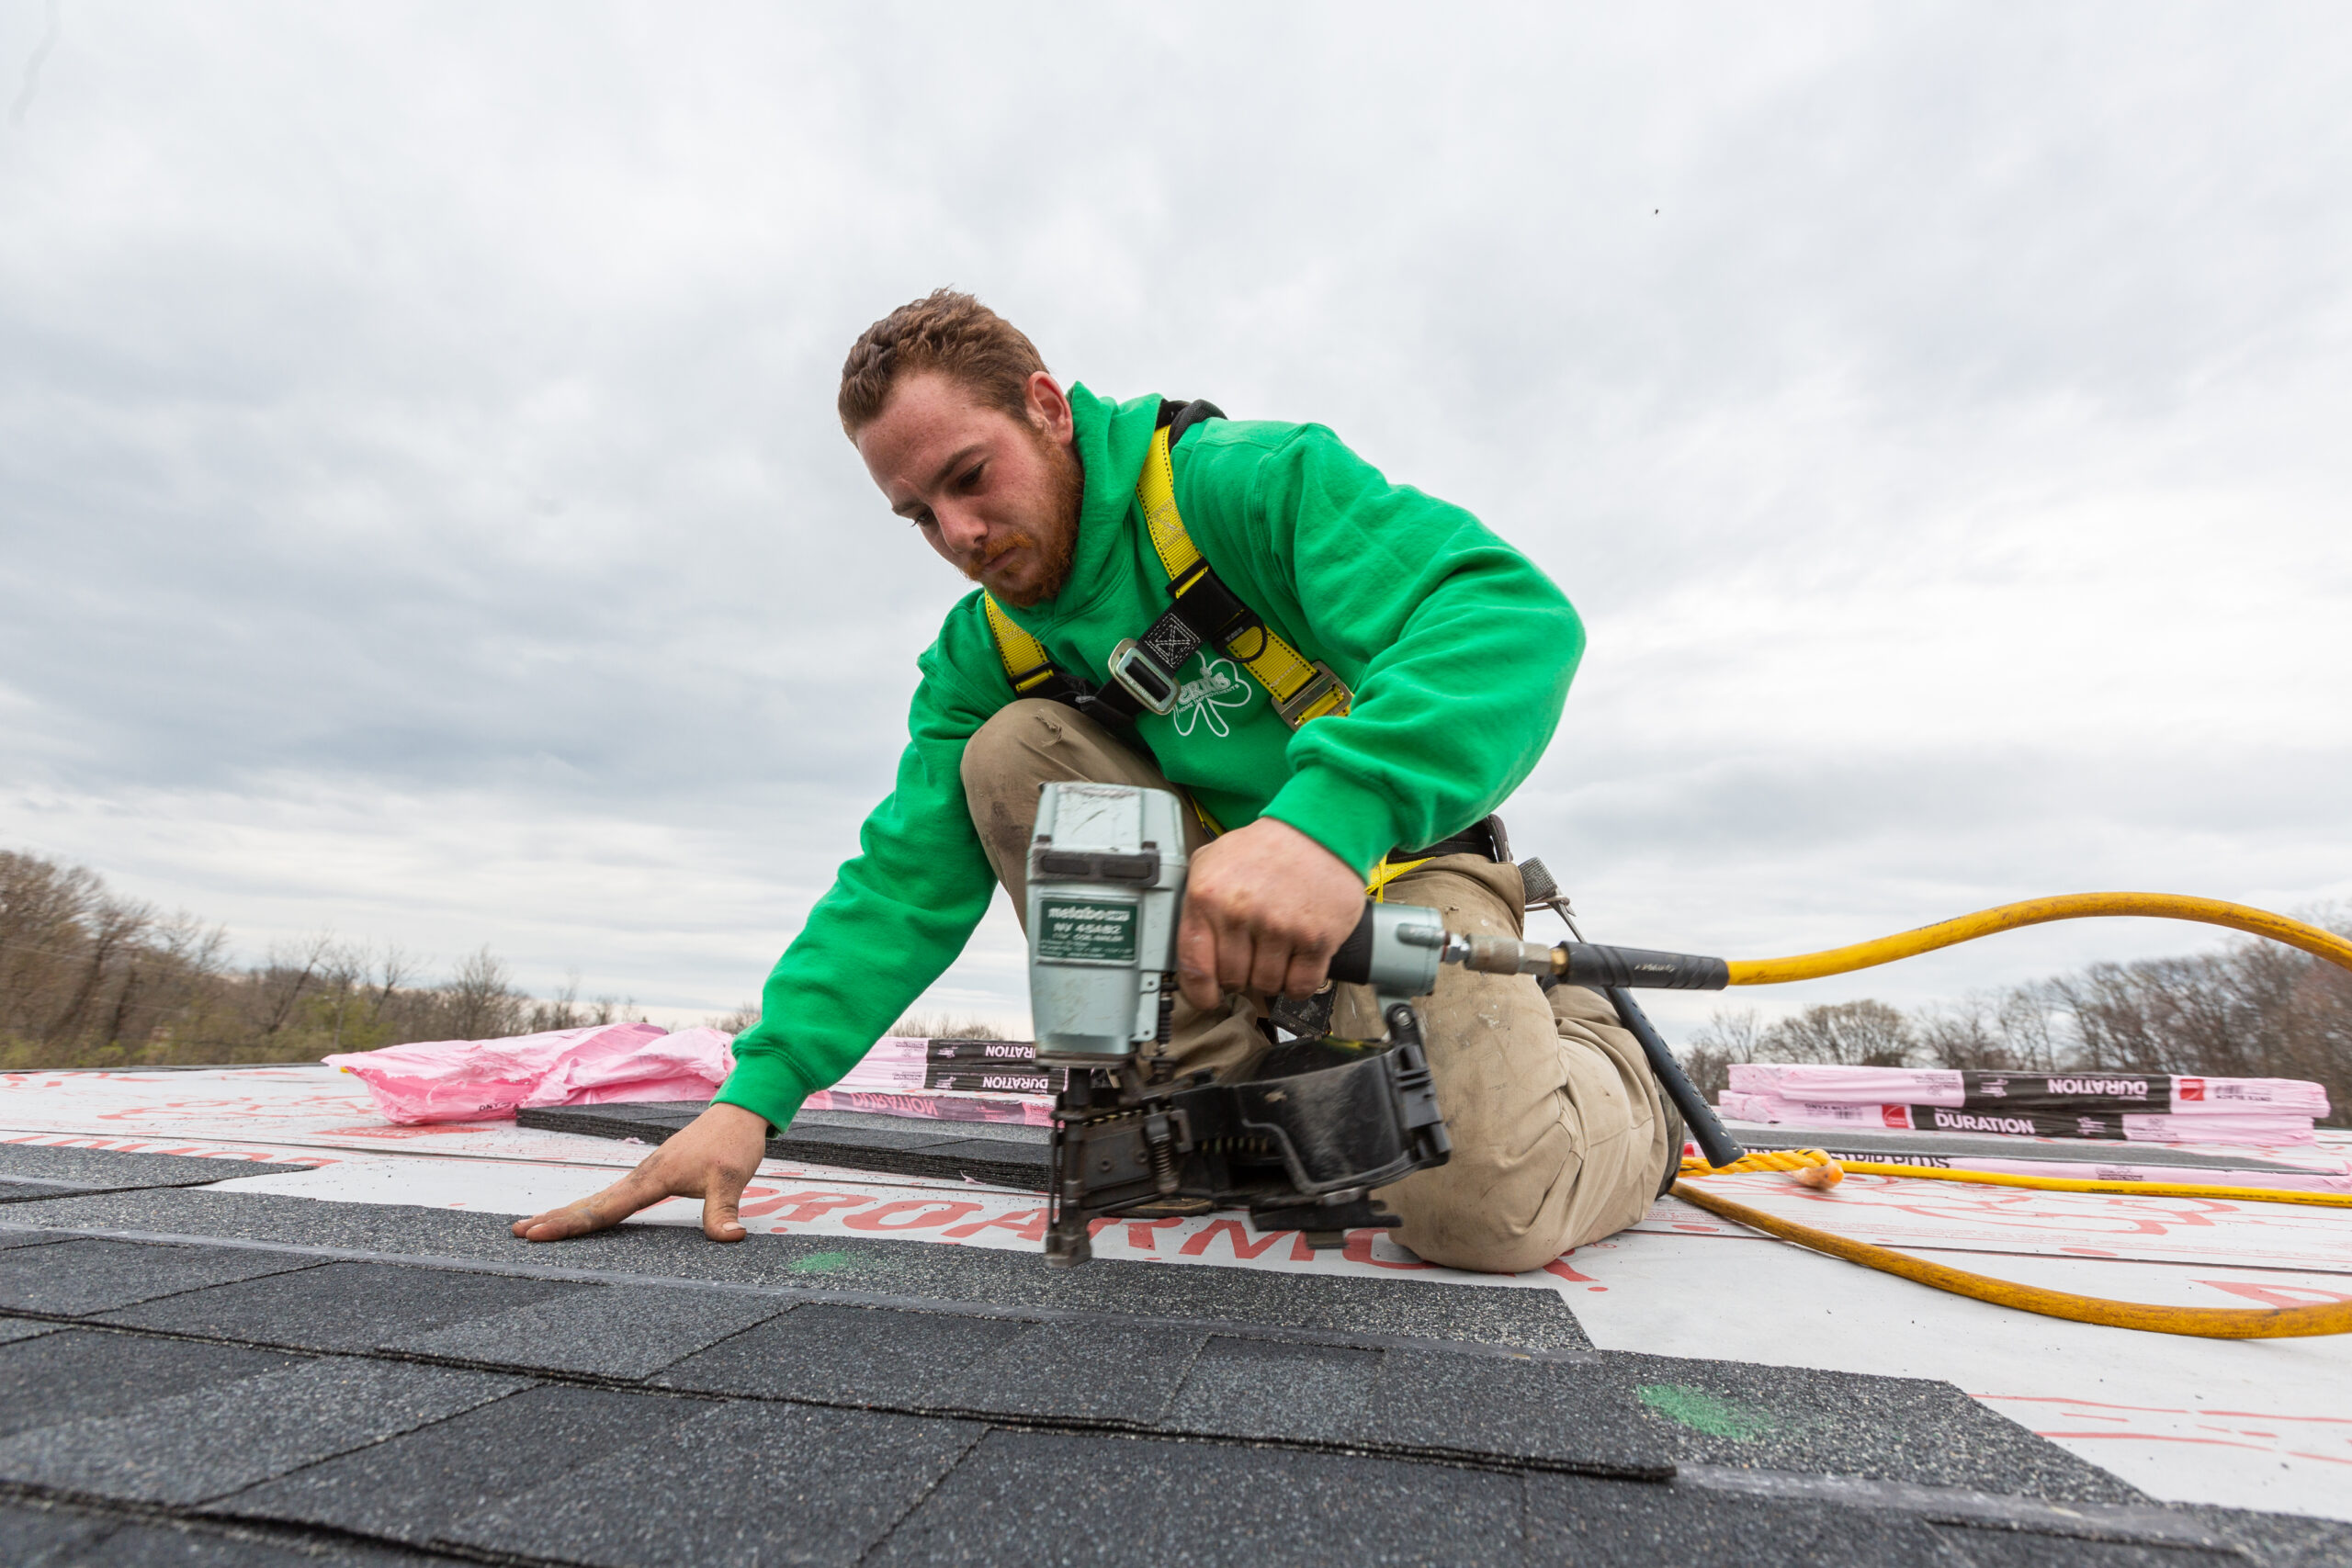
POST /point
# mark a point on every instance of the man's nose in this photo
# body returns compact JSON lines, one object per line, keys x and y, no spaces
{"x":961,"y":531}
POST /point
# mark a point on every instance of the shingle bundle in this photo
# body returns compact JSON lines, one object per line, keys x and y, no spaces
{"x":901,"y":1064}
{"x":2132,"y":1107}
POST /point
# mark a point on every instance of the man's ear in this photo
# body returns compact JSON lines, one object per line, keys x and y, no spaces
{"x":1049,"y":409}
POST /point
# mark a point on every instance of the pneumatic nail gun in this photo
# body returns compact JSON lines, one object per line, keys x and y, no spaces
{"x":1301,"y":1141}
{"x":1315,"y":1125}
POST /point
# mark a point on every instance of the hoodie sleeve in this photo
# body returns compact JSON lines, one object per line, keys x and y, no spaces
{"x":1459,"y":648}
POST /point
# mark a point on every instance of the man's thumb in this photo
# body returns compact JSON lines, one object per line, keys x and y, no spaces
{"x":718,"y":1220}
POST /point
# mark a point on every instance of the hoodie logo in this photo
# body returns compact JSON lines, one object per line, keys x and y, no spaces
{"x":1221,"y":685}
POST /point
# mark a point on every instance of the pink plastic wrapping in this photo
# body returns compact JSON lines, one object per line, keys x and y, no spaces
{"x":484,"y":1081}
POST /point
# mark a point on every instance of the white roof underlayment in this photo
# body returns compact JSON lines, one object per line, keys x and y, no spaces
{"x":2262,"y":1424}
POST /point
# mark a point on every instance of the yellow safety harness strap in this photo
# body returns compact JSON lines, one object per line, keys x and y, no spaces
{"x":1376,"y":886}
{"x":1026,"y":663}
{"x":1144,"y":669}
{"x":1156,"y":495}
{"x":1302,"y":688}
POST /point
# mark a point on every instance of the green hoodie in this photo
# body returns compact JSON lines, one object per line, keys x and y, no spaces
{"x":1458,"y":649}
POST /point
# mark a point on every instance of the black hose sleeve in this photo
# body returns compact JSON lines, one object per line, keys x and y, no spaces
{"x":1352,"y":964}
{"x":1697,"y":1114}
{"x":1604,"y":968}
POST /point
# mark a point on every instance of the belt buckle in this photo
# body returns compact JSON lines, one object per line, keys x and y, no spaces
{"x":1145,"y":678}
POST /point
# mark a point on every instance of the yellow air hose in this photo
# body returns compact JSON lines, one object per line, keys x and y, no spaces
{"x":2212,"y":1323}
{"x":2037,"y":911}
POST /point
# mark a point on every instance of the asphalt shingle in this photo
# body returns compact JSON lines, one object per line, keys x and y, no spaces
{"x":994,"y":1161}
{"x":10,"y":1239}
{"x":748,"y":1482}
{"x":1550,"y":1413}
{"x":100,"y":1170}
{"x":615,"y":1331}
{"x":413,"y":1487}
{"x":2282,"y":1540}
{"x":33,"y":1191}
{"x":343,"y":1306}
{"x":1524,"y":1318}
{"x":15,"y":1328}
{"x":1574,"y":1518}
{"x":1262,"y":1388}
{"x":2020,"y":1549}
{"x":847,"y":1356}
{"x":40,"y":1535}
{"x":76,"y":1277}
{"x":1083,"y":1499}
{"x":1886,"y":1428}
{"x":76,"y":1373}
{"x":193,"y":1446}
{"x":33,"y":1536}
{"x":1002,"y":1132}
{"x":1079,"y":1372}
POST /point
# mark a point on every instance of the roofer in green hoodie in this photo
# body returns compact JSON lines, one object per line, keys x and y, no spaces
{"x":1395,"y":671}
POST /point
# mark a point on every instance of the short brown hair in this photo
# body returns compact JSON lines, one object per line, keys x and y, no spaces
{"x":942,"y":331}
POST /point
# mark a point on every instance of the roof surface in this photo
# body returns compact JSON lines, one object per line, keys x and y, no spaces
{"x":330,"y":1356}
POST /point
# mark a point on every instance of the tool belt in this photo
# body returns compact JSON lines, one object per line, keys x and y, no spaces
{"x":1484,"y":838}
{"x":1146,"y":671}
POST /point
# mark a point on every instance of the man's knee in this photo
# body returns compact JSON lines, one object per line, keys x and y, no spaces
{"x":1488,"y":1211}
{"x":1014,"y":745}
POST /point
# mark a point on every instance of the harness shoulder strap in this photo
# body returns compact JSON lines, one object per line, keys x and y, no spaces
{"x":1204,"y":611}
{"x":1302,"y":688}
{"x":1026,"y":663}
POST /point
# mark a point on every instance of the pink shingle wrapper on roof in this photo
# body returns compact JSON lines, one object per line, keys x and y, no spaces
{"x":486,"y":1080}
{"x":2150,"y":1093}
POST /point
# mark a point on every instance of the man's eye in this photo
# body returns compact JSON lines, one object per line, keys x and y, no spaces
{"x":924,"y":520}
{"x":971,"y":478}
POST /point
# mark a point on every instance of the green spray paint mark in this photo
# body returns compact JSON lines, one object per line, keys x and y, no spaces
{"x":1708,"y":1413}
{"x":821,"y":1262}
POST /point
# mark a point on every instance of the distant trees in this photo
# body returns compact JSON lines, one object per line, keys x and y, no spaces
{"x":88,"y":978}
{"x":2253,"y":1010}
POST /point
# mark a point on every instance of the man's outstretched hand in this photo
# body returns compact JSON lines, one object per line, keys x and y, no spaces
{"x":711,"y":1159}
{"x":1265,"y":907}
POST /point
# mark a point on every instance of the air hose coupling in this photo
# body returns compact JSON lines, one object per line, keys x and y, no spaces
{"x":1498,"y":955}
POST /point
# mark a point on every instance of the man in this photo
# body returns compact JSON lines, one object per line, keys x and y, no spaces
{"x":1440,"y":658}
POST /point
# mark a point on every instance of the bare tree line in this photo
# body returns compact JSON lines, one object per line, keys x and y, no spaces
{"x":2254,"y":1010}
{"x":88,"y":978}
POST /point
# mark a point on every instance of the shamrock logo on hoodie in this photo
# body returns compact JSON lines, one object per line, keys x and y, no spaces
{"x":1221,"y":685}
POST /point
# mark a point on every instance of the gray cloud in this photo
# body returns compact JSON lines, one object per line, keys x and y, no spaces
{"x":421,"y":509}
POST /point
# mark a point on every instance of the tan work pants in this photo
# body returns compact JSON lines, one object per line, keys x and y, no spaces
{"x":1558,"y":1137}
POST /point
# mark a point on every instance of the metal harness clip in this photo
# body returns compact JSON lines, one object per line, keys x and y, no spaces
{"x":1145,"y":680}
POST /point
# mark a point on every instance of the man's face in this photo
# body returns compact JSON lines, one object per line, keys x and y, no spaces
{"x":997,"y":496}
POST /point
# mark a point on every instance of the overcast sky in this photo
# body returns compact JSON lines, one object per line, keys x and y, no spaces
{"x":422,"y":513}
